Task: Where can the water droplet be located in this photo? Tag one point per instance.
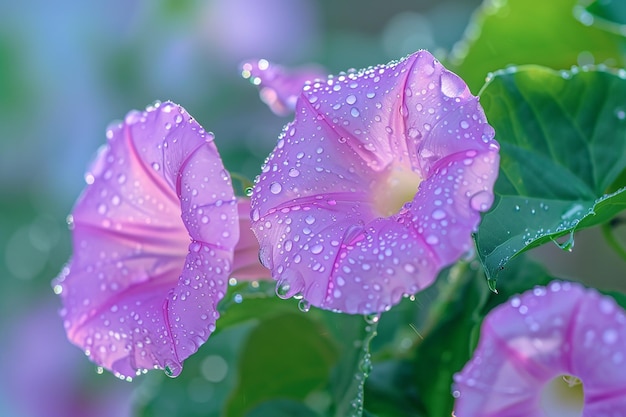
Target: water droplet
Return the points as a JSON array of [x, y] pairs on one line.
[[355, 112], [366, 365], [351, 99], [481, 201], [304, 305], [609, 336], [413, 133], [256, 215], [568, 244], [432, 240], [276, 188], [317, 249], [282, 289], [172, 369], [451, 85], [372, 318], [156, 166]]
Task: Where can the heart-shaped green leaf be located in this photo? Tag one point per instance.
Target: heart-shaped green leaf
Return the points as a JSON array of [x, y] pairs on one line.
[[519, 32], [563, 147]]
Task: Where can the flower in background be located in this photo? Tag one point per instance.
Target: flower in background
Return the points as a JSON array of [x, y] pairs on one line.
[[555, 351], [279, 88], [375, 186], [234, 30], [47, 378], [154, 234]]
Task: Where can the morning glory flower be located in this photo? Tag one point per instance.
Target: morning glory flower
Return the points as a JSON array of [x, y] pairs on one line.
[[555, 351], [279, 87], [375, 186], [154, 236]]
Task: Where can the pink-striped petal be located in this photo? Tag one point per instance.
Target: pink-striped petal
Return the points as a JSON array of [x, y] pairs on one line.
[[154, 234], [530, 343], [279, 88], [375, 186]]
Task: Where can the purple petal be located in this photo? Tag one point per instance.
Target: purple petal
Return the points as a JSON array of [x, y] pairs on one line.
[[539, 337], [375, 186], [153, 234], [246, 265], [279, 88]]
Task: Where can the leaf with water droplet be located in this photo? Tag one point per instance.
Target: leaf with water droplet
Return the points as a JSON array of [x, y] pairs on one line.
[[608, 15], [498, 35], [347, 383], [548, 188]]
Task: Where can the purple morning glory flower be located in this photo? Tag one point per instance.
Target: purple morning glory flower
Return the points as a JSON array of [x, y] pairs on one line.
[[375, 186], [279, 88], [555, 351], [154, 236]]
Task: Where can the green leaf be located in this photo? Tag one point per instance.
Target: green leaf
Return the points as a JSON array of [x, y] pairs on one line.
[[390, 392], [445, 346], [202, 388], [252, 301], [518, 32], [609, 15], [563, 145], [352, 370], [287, 356]]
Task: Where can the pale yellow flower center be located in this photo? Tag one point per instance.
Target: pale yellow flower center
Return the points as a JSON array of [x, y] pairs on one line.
[[396, 186], [563, 396]]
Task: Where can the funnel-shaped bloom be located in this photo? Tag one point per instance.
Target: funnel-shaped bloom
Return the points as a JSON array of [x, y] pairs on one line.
[[555, 351], [279, 88], [375, 186], [154, 235]]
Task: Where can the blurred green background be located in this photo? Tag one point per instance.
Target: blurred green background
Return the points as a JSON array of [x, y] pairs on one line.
[[69, 68]]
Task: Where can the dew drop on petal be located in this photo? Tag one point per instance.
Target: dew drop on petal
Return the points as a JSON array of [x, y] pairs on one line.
[[609, 336], [282, 289], [481, 201], [317, 249], [276, 188], [172, 370], [256, 215], [451, 85]]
